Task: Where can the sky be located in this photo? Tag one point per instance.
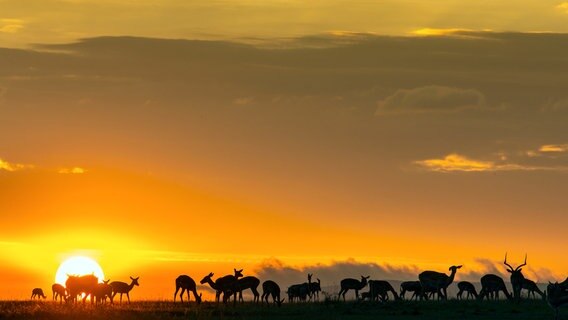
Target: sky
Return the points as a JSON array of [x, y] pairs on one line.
[[282, 137]]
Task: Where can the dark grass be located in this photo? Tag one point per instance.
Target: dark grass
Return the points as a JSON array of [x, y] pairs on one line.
[[532, 309]]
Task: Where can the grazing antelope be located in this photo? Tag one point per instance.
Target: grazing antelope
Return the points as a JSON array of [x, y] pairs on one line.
[[81, 285], [37, 293], [437, 282], [516, 277], [298, 291], [350, 283], [186, 283], [410, 286], [532, 288], [248, 282], [468, 287], [58, 291], [491, 284], [271, 288], [102, 291], [225, 285], [557, 295], [380, 289], [123, 288]]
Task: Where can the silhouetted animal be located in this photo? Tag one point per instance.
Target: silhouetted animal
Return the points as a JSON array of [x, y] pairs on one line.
[[352, 284], [298, 292], [271, 288], [186, 283], [58, 291], [465, 286], [410, 286], [516, 277], [491, 284], [532, 288], [437, 281], [37, 293], [557, 295], [78, 285], [251, 283], [102, 291], [123, 288], [225, 285], [380, 289], [315, 289]]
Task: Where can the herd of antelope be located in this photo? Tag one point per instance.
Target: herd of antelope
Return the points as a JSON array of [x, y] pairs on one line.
[[428, 285]]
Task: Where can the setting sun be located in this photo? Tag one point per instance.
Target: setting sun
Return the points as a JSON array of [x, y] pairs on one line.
[[78, 265]]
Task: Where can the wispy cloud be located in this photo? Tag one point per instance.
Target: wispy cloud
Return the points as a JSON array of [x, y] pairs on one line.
[[73, 170], [11, 167], [430, 99], [553, 148], [11, 25], [459, 163], [563, 7], [438, 31]]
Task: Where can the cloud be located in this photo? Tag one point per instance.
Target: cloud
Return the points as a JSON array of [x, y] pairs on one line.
[[563, 6], [11, 167], [430, 99], [553, 148], [11, 25], [457, 163], [74, 170], [438, 32]]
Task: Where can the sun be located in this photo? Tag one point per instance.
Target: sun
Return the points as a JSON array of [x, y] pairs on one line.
[[78, 265]]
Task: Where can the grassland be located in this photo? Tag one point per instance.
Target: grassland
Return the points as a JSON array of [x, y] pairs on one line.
[[533, 309]]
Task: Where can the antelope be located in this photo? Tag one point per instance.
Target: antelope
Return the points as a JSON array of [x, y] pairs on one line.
[[350, 283], [186, 283], [248, 282], [225, 285], [437, 282], [411, 286], [491, 284], [102, 291], [531, 287], [516, 277], [468, 287], [314, 289], [78, 285], [298, 291], [381, 288], [58, 291], [123, 288], [37, 293], [271, 288], [557, 295]]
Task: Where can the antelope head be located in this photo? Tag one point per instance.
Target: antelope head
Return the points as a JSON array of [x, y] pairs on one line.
[[198, 298], [364, 279], [206, 278], [238, 273], [516, 273], [135, 281], [106, 282], [454, 268], [310, 277]]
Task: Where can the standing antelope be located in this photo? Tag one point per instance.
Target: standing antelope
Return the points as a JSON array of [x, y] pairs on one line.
[[248, 282], [381, 288], [186, 283], [58, 291], [411, 286], [468, 287], [516, 277], [531, 287], [123, 288], [102, 291], [491, 284], [225, 285], [437, 282], [271, 288], [350, 283], [37, 293]]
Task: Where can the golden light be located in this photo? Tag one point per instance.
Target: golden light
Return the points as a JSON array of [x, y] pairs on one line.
[[78, 266]]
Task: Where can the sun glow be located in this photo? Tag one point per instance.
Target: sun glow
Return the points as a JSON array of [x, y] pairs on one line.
[[78, 266]]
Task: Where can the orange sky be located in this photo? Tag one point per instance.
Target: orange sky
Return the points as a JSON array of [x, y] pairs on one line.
[[350, 147]]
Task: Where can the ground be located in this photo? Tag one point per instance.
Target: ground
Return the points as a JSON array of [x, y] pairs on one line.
[[534, 309]]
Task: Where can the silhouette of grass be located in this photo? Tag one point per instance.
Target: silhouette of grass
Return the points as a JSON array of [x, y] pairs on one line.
[[534, 309]]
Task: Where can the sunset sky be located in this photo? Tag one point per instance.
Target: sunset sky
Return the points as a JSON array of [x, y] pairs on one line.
[[343, 137]]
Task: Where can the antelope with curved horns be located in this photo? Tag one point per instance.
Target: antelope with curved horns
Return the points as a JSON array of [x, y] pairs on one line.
[[517, 277]]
